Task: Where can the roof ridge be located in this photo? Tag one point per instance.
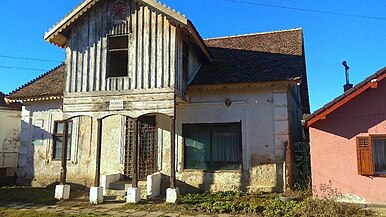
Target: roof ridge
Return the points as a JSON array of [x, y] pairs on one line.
[[35, 79], [251, 34]]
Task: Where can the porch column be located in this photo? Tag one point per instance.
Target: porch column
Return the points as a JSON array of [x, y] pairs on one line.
[[172, 193], [63, 171], [134, 193], [172, 153], [62, 191], [96, 192]]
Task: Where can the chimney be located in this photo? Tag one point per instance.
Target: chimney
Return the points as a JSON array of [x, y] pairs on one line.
[[347, 86]]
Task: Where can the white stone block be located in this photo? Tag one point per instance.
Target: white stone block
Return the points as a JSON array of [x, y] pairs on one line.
[[133, 195], [96, 195], [153, 185], [107, 179], [62, 192], [172, 195]]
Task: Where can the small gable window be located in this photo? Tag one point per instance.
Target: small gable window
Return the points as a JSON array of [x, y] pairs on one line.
[[371, 155], [118, 56]]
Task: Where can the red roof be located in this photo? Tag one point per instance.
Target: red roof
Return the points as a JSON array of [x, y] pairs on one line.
[[369, 82]]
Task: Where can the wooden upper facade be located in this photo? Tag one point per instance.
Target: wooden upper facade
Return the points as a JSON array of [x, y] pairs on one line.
[[137, 51]]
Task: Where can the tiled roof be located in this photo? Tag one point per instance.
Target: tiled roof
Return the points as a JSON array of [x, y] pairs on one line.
[[8, 106], [270, 56], [50, 85], [346, 96]]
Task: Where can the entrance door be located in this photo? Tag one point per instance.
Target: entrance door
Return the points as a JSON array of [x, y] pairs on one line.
[[147, 150]]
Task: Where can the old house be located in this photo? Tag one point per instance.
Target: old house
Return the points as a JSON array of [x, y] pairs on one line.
[[348, 143], [9, 140], [144, 97]]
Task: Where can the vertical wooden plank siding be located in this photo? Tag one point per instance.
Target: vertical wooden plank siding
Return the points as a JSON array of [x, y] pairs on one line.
[[85, 48], [153, 46], [159, 53], [139, 48], [91, 44], [68, 69], [132, 50], [154, 58], [146, 47], [104, 46], [172, 54], [98, 45], [166, 36]]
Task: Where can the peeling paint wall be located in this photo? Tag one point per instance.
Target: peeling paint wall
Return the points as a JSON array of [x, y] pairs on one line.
[[9, 141], [263, 113], [36, 165]]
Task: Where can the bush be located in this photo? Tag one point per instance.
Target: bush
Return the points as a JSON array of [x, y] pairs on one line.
[[327, 207]]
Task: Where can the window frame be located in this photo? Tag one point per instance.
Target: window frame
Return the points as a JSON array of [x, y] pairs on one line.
[[109, 51], [240, 163], [55, 135], [370, 138]]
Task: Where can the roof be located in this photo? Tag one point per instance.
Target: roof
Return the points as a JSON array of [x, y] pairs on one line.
[[55, 34], [269, 56], [369, 82], [8, 106], [48, 86]]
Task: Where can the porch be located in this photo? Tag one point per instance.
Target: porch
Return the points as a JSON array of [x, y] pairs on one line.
[[128, 155]]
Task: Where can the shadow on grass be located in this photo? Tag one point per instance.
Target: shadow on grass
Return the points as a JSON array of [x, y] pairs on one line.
[[27, 195]]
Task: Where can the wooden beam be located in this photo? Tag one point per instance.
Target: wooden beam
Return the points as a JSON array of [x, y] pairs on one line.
[[172, 153], [98, 153], [63, 172], [135, 155]]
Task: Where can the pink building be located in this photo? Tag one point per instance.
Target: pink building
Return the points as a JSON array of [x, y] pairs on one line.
[[348, 143]]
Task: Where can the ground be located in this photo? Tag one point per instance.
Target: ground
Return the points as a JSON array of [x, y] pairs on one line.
[[31, 202]]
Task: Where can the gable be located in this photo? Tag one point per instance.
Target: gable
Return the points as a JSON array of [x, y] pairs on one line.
[[59, 32]]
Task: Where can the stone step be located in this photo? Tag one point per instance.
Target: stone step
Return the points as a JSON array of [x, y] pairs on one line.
[[120, 185], [113, 192]]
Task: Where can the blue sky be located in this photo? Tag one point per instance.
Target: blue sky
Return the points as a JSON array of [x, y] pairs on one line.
[[329, 39]]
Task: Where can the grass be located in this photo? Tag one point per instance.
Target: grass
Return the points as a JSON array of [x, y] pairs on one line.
[[258, 204], [27, 195]]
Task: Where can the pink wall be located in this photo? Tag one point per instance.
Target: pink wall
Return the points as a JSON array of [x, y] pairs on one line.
[[333, 145]]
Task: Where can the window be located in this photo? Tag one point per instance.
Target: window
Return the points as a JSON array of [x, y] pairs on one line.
[[371, 154], [58, 139], [212, 146], [118, 56]]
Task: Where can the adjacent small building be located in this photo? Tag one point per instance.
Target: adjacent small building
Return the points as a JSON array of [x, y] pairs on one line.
[[348, 143], [9, 140]]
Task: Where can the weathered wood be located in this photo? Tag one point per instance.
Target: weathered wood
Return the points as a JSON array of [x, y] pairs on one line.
[[159, 57], [135, 156], [146, 47], [154, 59], [67, 83], [98, 153], [172, 152], [92, 53], [153, 47], [132, 50], [63, 172], [172, 54], [166, 61], [103, 85], [140, 49]]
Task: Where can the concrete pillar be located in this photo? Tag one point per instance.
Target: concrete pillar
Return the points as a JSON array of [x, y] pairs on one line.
[[96, 195], [133, 195], [172, 195], [62, 192]]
